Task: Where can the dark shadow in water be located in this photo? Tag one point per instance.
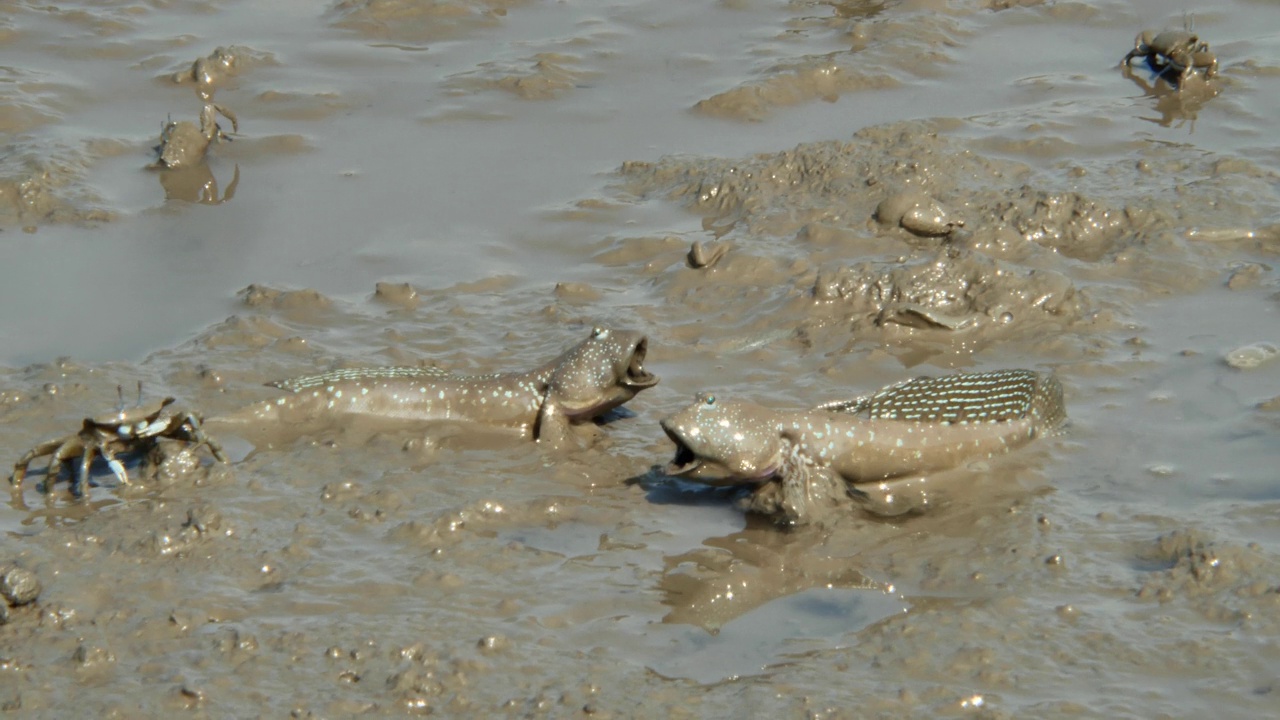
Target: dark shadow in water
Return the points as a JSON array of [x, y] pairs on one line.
[[619, 413], [663, 489]]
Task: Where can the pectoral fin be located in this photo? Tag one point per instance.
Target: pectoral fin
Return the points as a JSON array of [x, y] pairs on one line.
[[554, 429], [804, 495]]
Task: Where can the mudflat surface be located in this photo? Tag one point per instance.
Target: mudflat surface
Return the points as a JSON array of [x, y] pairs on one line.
[[474, 185]]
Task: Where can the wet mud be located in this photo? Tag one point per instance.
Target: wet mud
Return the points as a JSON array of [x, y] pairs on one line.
[[798, 204]]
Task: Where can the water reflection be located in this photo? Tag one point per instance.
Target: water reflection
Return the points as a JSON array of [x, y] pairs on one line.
[[59, 509], [733, 575], [1176, 102], [196, 183]]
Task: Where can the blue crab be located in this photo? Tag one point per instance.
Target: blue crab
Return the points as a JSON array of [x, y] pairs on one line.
[[1181, 51], [133, 430]]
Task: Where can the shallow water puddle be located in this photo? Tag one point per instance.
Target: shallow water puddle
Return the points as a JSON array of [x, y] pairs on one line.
[[778, 632]]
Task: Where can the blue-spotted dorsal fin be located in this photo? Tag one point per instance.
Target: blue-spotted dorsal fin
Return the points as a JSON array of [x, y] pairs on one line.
[[997, 396], [363, 373], [860, 403], [851, 407]]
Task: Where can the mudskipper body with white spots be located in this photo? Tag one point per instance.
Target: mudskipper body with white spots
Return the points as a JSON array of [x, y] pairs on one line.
[[883, 445], [593, 377]]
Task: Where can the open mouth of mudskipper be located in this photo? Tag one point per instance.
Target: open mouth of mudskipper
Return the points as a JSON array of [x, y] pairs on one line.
[[685, 461], [636, 376], [707, 467]]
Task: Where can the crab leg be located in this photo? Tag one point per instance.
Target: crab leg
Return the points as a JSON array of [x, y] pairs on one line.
[[116, 466], [81, 480], [198, 435], [1207, 60], [65, 451], [21, 467]]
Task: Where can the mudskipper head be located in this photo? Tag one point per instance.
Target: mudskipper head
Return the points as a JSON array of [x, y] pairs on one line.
[[724, 442], [600, 373]]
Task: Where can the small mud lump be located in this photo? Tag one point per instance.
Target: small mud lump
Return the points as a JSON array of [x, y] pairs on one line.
[[19, 586]]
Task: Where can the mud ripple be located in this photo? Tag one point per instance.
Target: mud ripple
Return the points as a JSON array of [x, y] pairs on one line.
[[42, 182], [870, 50], [544, 76], [411, 21]]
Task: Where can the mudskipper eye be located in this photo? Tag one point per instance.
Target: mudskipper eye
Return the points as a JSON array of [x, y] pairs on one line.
[[711, 399], [599, 333]]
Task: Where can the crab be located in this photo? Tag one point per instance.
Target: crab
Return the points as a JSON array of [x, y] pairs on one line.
[[1179, 50], [209, 71], [135, 430], [183, 144]]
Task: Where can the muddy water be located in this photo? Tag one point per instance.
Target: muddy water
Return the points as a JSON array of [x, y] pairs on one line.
[[533, 169]]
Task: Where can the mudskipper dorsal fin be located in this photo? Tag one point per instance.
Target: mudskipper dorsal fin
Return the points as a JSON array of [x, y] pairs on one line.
[[365, 373], [996, 396]]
